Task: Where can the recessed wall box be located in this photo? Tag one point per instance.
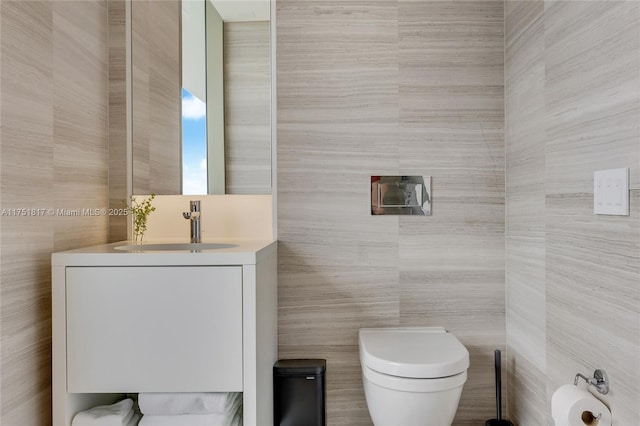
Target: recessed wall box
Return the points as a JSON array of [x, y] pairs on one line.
[[401, 195]]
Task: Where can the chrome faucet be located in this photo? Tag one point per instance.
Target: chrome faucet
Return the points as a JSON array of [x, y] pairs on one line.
[[194, 216]]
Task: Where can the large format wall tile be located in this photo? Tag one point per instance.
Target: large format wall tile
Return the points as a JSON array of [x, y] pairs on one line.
[[337, 124], [593, 296], [525, 207], [338, 60], [451, 61], [118, 157], [592, 101], [156, 108], [591, 92], [53, 155], [451, 114], [351, 83], [80, 117], [527, 390], [247, 99], [573, 103]]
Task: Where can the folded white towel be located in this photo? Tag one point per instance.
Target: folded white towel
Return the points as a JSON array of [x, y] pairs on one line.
[[236, 419], [234, 409], [135, 418], [185, 420], [234, 403], [183, 403], [118, 414]]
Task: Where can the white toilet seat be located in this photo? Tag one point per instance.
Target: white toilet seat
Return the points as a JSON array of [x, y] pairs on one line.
[[407, 384], [416, 352], [412, 375]]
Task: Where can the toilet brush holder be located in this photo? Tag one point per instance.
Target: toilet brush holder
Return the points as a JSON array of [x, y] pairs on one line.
[[498, 421]]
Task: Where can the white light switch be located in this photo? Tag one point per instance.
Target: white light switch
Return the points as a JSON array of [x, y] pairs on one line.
[[611, 192]]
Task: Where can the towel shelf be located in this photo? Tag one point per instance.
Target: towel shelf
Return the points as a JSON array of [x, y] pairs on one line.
[[126, 322]]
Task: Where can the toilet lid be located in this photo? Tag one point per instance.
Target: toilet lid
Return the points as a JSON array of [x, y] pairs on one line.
[[424, 352]]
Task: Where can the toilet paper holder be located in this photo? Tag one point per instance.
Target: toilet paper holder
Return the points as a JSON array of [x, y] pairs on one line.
[[600, 381]]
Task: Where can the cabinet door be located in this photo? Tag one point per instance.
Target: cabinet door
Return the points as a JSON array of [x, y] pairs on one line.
[[154, 329]]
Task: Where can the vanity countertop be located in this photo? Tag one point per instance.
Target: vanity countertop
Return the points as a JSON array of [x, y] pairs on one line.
[[241, 252]]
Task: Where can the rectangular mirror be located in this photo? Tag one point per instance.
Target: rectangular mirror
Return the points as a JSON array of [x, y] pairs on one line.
[[201, 97]]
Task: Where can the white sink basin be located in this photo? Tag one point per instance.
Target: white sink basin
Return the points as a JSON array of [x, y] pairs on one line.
[[174, 247]]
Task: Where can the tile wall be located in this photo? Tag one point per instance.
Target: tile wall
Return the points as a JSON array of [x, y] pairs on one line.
[[573, 300], [156, 105], [247, 104], [369, 88], [118, 156], [54, 155], [390, 87]]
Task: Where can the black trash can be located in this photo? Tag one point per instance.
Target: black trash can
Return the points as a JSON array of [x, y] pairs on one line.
[[299, 392]]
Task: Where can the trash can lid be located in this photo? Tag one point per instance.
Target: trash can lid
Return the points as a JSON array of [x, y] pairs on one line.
[[300, 366]]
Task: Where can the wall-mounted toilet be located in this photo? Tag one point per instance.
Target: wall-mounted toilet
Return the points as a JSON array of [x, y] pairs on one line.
[[412, 376]]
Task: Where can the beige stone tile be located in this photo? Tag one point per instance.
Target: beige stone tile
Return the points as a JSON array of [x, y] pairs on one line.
[[592, 92], [354, 107], [525, 300], [527, 405], [156, 106], [26, 182], [451, 61], [54, 154], [525, 202], [592, 296], [247, 113], [350, 73], [118, 169], [80, 113], [472, 293], [472, 152], [328, 305], [428, 249]]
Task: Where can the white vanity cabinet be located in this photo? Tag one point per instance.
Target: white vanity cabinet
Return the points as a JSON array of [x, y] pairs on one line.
[[130, 322], [154, 329]]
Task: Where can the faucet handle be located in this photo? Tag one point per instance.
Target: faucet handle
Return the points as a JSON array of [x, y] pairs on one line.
[[194, 215], [194, 210]]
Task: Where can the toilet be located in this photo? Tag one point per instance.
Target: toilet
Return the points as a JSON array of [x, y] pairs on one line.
[[412, 376]]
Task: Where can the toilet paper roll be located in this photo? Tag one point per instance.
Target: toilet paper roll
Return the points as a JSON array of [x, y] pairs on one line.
[[572, 406]]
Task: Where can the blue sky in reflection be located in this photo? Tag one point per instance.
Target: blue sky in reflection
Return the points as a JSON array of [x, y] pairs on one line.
[[194, 145]]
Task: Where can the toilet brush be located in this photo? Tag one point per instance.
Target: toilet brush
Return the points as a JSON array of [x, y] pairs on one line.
[[498, 421]]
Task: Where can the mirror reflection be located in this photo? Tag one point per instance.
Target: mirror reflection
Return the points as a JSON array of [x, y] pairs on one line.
[[201, 97]]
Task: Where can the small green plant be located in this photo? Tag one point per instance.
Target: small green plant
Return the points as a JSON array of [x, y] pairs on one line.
[[140, 211]]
